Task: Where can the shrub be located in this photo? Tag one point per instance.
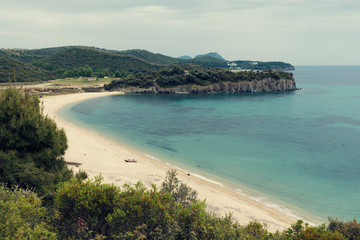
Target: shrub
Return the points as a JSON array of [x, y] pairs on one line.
[[351, 229], [22, 216]]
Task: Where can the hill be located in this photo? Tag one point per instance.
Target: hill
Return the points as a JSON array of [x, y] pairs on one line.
[[150, 57], [185, 57], [208, 61], [98, 60], [24, 72], [31, 55], [211, 54]]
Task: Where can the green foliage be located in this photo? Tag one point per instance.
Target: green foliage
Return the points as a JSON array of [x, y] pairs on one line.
[[190, 74], [91, 209], [31, 145], [85, 71], [256, 65], [144, 212], [27, 132], [180, 192], [351, 229], [21, 71], [82, 207], [150, 57], [299, 231], [81, 175], [98, 60], [207, 61], [22, 216]]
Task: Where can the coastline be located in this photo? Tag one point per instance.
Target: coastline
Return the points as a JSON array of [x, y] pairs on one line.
[[98, 154]]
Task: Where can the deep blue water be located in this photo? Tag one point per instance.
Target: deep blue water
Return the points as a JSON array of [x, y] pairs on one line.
[[299, 148]]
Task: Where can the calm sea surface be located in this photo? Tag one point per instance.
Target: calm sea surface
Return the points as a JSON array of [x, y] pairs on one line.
[[298, 149]]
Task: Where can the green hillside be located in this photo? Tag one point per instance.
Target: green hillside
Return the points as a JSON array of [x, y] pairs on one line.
[[211, 54], [24, 72], [98, 60], [151, 57], [31, 55], [208, 61]]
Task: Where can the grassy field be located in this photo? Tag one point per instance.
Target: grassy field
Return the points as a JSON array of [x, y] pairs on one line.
[[79, 81]]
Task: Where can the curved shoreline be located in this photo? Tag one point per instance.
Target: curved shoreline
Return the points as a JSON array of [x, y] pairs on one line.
[[97, 154]]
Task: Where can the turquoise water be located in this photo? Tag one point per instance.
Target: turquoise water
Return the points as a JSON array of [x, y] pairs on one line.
[[300, 148]]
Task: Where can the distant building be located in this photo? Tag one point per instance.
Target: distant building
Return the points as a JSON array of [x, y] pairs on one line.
[[186, 72], [92, 78]]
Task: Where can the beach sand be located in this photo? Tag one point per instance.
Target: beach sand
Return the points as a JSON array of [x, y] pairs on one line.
[[98, 155]]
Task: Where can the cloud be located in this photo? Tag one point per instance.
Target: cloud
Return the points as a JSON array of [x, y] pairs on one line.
[[286, 30]]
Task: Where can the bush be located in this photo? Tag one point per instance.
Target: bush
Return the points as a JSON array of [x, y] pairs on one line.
[[351, 229], [82, 207], [22, 216], [300, 231]]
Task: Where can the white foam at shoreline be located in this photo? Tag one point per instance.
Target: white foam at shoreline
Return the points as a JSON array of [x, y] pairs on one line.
[[271, 204], [185, 170], [259, 199]]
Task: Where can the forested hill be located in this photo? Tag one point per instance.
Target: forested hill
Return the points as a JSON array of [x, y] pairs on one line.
[[74, 61], [98, 61], [21, 71]]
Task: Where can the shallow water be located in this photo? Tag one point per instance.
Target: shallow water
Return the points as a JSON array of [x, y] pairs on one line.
[[300, 148]]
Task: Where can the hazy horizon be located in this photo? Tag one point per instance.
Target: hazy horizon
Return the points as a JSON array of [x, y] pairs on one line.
[[301, 32]]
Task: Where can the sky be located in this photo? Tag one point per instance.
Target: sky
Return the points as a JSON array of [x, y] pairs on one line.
[[301, 32]]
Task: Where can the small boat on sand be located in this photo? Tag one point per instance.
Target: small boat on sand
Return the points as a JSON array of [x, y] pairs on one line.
[[131, 160]]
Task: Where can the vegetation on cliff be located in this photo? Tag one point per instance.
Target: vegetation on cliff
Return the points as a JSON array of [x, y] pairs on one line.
[[257, 65], [192, 74]]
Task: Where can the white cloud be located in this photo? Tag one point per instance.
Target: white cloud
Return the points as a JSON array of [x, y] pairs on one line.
[[298, 31]]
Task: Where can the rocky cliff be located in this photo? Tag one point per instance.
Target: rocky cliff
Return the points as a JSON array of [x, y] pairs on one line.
[[255, 86]]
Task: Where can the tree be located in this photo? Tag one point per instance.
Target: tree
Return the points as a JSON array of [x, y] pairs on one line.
[[31, 145], [181, 193]]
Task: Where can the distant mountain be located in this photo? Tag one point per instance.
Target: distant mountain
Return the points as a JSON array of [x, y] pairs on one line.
[[23, 72], [211, 54], [185, 57], [208, 61]]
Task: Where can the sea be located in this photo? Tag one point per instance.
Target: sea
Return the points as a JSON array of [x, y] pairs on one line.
[[296, 151]]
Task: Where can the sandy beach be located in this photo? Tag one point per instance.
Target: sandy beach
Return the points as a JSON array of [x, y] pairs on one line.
[[98, 155]]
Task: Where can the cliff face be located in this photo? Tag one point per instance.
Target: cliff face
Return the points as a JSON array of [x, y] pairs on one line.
[[255, 86]]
